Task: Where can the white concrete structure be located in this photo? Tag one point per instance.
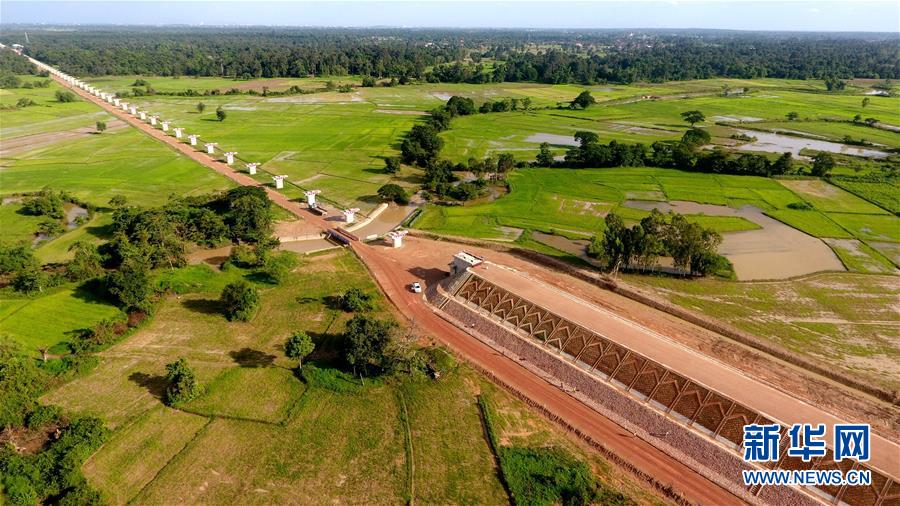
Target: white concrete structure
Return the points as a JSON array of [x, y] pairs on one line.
[[350, 214], [396, 237], [311, 197], [210, 147], [124, 106], [110, 98], [193, 139], [279, 181], [153, 119], [229, 157], [143, 116], [116, 102], [165, 126], [134, 110], [251, 168], [462, 261], [178, 132]]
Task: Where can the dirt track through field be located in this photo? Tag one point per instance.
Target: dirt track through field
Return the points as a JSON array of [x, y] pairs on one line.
[[393, 275]]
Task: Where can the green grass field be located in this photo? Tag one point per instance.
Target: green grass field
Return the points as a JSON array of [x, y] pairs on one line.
[[578, 200], [47, 115], [259, 435], [47, 319]]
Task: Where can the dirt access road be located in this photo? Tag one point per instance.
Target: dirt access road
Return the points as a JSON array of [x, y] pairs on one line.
[[394, 279]]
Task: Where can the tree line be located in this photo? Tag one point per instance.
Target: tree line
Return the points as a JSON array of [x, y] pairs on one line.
[[472, 56]]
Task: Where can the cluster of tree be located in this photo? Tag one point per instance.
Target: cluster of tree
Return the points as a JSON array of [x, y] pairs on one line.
[[53, 474], [585, 56], [14, 64], [691, 246], [684, 155]]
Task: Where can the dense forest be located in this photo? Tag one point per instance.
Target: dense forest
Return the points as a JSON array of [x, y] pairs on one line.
[[462, 55]]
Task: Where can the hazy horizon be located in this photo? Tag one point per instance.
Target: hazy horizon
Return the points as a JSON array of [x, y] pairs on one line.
[[797, 16]]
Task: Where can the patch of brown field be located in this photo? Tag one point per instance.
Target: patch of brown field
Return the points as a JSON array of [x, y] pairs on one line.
[[812, 187], [291, 230], [272, 84], [402, 112], [213, 257], [27, 441], [26, 143]]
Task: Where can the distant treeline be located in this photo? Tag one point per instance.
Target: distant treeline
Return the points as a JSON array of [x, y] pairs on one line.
[[474, 56]]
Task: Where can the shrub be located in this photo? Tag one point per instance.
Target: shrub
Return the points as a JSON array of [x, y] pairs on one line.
[[547, 476], [182, 381], [43, 415], [356, 301], [45, 203], [393, 193], [65, 96], [800, 206], [240, 301]]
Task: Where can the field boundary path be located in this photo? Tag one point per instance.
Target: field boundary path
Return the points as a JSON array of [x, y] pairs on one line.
[[664, 470]]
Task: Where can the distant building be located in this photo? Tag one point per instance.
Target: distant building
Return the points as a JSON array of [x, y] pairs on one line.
[[18, 48]]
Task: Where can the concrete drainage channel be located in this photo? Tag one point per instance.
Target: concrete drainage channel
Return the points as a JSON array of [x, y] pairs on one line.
[[684, 437]]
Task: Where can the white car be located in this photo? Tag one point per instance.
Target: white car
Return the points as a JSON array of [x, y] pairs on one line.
[[416, 287]]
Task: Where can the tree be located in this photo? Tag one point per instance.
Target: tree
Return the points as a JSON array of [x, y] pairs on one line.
[[367, 344], [221, 114], [101, 127], [505, 163], [823, 163], [201, 107], [356, 300], [182, 383], [693, 117], [298, 347], [250, 213], [393, 193], [240, 301], [130, 285], [30, 280], [368, 82], [392, 165], [865, 102], [784, 164], [791, 116], [695, 137], [24, 102], [585, 137], [544, 156], [86, 263], [857, 118], [584, 100]]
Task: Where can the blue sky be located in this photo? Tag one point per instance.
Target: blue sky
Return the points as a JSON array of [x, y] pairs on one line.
[[848, 15]]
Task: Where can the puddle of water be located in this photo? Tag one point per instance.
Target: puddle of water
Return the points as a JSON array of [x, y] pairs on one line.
[[72, 214], [737, 119], [776, 143], [561, 140]]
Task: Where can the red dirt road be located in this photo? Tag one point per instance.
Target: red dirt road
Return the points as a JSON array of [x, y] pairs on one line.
[[394, 279]]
